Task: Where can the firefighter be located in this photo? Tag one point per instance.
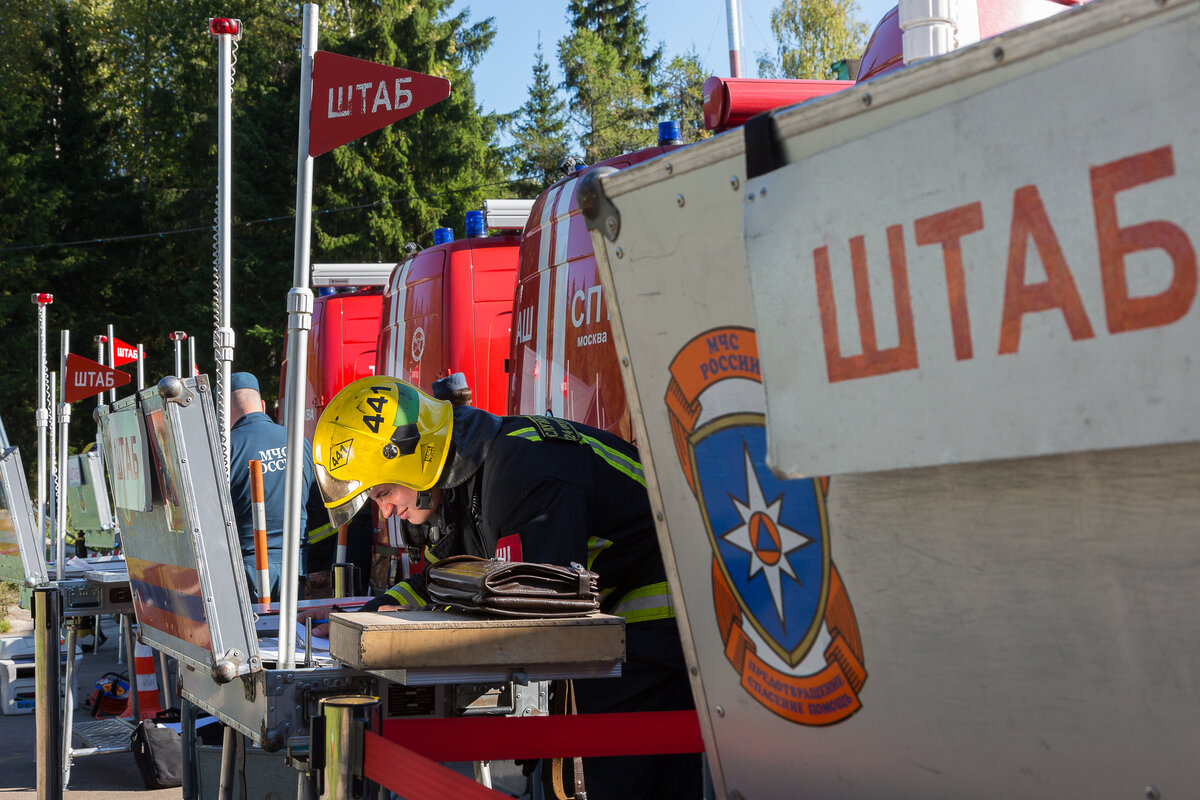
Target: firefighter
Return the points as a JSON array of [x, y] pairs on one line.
[[533, 489], [254, 436]]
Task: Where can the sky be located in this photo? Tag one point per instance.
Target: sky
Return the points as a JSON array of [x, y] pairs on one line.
[[502, 79]]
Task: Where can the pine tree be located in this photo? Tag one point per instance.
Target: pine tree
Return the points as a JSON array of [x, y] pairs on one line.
[[108, 136], [609, 76], [609, 109], [539, 131], [622, 24], [54, 158], [427, 170]]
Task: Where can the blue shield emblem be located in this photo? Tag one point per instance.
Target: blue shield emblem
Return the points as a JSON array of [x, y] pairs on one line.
[[770, 537]]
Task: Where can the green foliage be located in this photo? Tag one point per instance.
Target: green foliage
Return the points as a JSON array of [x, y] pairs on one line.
[[622, 24], [682, 90], [617, 90], [609, 107], [10, 596], [431, 168], [811, 35], [109, 133], [610, 77], [539, 131]]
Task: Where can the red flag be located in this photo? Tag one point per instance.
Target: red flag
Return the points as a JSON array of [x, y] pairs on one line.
[[352, 97], [125, 353], [86, 378]]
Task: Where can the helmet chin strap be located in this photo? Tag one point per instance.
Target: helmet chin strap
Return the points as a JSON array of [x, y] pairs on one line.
[[424, 500]]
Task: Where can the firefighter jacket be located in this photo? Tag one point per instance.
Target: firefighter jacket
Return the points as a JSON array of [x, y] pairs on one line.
[[544, 490]]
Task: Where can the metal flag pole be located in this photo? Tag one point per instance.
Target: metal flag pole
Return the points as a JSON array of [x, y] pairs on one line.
[[100, 341], [112, 362], [52, 471], [177, 337], [64, 421], [228, 32], [300, 306], [42, 415], [733, 16]]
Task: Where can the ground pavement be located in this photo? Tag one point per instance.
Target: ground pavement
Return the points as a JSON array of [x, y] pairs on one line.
[[114, 775]]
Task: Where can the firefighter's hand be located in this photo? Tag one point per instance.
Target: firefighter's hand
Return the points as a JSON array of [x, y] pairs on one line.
[[383, 602], [319, 629]]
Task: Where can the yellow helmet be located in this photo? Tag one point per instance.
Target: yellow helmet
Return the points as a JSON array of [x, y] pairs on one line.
[[378, 430]]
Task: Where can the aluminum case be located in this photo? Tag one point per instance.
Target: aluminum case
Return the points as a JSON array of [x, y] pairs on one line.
[[22, 557], [1004, 627], [184, 559]]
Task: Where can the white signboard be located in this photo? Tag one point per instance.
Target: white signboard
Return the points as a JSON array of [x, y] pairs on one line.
[[74, 472], [1011, 273], [128, 467]]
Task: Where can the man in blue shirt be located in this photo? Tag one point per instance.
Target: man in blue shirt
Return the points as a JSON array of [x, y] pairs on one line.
[[254, 436]]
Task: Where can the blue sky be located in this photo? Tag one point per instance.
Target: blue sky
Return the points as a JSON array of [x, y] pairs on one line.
[[503, 78]]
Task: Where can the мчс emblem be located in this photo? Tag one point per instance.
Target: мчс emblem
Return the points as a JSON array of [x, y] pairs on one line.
[[785, 618]]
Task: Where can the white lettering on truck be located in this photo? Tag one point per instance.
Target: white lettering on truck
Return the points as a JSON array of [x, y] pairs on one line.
[[590, 300]]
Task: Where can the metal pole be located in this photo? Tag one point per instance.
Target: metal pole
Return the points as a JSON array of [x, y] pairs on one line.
[[304, 787], [42, 415], [228, 756], [177, 337], [733, 15], [300, 305], [64, 422], [340, 761], [141, 367], [47, 611], [483, 773], [100, 340], [223, 338], [133, 693], [68, 709], [187, 733], [164, 687], [112, 362], [191, 365], [52, 461], [112, 398], [121, 638]]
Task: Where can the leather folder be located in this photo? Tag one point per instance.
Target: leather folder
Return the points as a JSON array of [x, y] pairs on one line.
[[512, 588]]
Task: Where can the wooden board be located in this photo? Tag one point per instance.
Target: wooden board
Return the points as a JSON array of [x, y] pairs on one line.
[[446, 639]]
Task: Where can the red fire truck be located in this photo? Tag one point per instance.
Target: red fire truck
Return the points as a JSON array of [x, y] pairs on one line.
[[447, 308], [342, 340], [521, 312]]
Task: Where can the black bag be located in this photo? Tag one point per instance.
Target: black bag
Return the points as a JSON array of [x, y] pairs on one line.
[[159, 755], [512, 589]]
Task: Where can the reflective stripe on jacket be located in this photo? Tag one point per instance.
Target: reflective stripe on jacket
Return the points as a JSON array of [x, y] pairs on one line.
[[644, 604], [405, 595]]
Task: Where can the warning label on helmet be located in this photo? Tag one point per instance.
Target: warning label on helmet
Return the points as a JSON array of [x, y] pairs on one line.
[[340, 454]]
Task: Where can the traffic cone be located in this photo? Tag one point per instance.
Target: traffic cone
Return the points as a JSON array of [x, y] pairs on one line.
[[145, 681]]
